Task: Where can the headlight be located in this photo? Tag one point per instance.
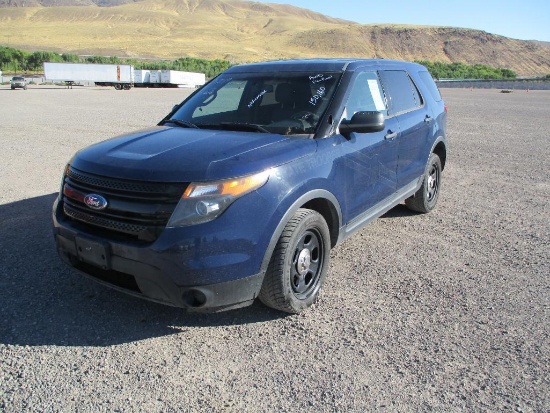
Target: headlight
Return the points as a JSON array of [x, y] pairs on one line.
[[205, 201]]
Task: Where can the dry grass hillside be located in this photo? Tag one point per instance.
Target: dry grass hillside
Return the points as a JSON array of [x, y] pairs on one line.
[[246, 31]]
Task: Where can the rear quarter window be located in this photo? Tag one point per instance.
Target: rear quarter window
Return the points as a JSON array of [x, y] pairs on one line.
[[428, 81]]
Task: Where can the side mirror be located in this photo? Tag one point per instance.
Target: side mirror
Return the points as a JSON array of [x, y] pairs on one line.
[[363, 122]]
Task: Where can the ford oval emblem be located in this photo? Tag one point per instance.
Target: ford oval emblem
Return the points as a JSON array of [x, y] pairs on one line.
[[95, 201]]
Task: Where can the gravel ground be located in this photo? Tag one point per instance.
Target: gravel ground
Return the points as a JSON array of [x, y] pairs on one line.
[[441, 312]]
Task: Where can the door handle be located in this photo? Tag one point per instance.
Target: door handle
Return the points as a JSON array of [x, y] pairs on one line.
[[390, 135]]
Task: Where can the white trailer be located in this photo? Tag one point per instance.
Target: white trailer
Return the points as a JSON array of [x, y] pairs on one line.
[[119, 76], [154, 77], [142, 76], [182, 79]]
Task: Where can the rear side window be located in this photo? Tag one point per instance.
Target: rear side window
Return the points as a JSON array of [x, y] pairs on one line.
[[426, 78], [400, 90]]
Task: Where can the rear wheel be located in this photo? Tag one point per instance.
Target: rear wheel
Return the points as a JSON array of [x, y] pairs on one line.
[[299, 263], [425, 198]]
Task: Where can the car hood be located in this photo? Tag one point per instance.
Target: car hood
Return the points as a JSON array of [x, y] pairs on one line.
[[174, 154]]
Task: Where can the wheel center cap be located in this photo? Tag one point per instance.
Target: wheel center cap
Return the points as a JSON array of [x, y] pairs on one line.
[[304, 262], [431, 182]]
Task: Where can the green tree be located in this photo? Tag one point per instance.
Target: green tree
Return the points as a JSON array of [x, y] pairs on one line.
[[458, 70]]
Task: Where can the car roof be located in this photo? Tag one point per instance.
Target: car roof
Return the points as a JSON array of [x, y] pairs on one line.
[[325, 65]]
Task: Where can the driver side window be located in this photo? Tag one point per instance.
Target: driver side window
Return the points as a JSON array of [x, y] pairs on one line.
[[226, 99], [366, 95]]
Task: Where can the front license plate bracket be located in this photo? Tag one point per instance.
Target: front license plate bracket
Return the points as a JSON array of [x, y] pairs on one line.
[[93, 252]]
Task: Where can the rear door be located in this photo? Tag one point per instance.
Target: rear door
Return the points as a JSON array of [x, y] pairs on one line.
[[406, 104]]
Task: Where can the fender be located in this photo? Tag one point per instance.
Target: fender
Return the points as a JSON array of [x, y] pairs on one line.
[[297, 204], [439, 140]]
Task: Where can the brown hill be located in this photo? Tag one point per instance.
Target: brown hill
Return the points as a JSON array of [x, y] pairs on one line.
[[247, 31]]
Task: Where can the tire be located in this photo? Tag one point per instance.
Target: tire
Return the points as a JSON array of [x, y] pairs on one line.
[[299, 264], [425, 199]]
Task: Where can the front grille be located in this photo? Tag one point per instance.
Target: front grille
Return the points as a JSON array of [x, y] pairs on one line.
[[135, 210], [102, 222], [122, 185]]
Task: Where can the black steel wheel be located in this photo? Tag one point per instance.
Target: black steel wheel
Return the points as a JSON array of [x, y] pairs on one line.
[[425, 199], [298, 264]]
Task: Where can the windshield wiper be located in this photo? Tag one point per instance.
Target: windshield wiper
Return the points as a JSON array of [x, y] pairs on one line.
[[243, 127], [183, 123]]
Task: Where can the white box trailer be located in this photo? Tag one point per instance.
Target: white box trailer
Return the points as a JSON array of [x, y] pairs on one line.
[[182, 79], [119, 76], [154, 77], [142, 76]]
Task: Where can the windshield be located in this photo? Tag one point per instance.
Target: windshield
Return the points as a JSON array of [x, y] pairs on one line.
[[18, 78], [283, 103]]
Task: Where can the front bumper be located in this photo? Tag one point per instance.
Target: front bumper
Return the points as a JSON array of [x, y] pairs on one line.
[[159, 272]]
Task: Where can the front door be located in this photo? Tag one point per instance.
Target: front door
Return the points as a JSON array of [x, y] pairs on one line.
[[369, 161]]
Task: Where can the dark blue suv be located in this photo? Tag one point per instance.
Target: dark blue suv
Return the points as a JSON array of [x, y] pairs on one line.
[[243, 189]]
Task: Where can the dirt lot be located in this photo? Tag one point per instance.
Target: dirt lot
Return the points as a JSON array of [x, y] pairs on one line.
[[441, 312]]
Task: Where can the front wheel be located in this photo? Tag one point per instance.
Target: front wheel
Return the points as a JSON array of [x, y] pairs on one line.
[[299, 263], [425, 198]]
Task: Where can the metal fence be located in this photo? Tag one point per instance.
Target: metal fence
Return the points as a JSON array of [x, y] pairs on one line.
[[517, 84]]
